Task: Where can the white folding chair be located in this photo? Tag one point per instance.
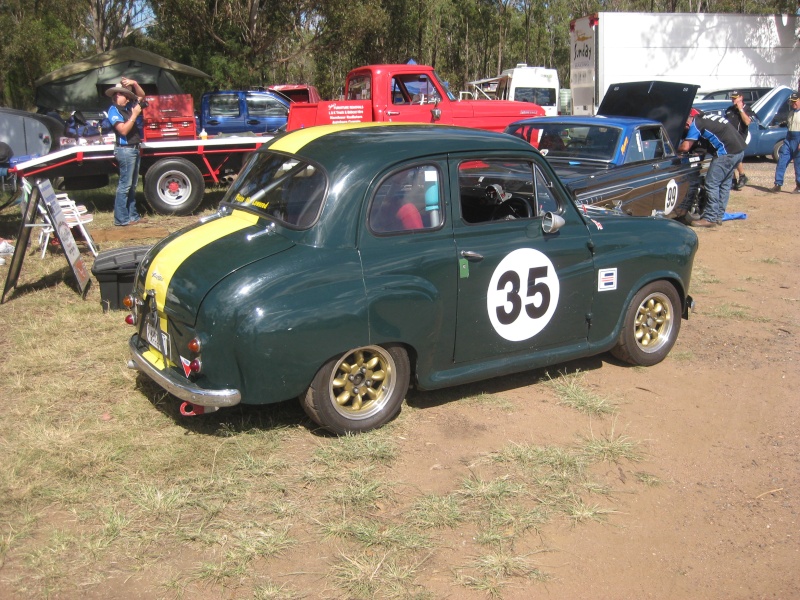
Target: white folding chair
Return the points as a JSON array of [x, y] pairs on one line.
[[75, 215]]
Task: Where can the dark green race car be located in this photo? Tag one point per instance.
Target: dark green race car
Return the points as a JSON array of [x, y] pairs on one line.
[[350, 261]]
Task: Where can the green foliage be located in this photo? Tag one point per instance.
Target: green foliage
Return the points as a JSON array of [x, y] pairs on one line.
[[246, 43]]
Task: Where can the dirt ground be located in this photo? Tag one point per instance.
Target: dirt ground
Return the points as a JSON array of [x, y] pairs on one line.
[[721, 424], [718, 422]]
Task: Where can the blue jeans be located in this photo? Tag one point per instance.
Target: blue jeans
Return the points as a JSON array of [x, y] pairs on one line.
[[718, 185], [125, 201], [787, 154]]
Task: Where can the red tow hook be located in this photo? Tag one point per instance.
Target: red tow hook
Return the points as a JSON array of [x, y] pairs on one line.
[[192, 410]]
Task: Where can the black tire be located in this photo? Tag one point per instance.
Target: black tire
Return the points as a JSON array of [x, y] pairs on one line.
[[775, 150], [651, 325], [370, 384], [174, 186]]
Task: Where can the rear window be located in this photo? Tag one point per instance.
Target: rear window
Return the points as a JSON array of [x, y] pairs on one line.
[[280, 187]]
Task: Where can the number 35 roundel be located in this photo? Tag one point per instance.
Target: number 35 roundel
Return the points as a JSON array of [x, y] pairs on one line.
[[522, 294]]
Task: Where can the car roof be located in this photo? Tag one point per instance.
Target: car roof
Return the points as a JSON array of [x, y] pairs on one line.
[[360, 143]]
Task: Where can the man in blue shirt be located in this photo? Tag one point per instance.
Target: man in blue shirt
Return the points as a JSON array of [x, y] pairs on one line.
[[727, 146], [123, 115], [790, 149]]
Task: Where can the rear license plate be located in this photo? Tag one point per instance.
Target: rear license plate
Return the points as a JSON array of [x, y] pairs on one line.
[[158, 339]]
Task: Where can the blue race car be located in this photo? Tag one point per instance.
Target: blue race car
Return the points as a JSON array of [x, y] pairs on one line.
[[627, 161]]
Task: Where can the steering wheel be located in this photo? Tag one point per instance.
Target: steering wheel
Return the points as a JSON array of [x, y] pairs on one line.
[[494, 193], [513, 208]]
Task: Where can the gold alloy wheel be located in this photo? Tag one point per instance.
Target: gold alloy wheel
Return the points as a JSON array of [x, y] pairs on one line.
[[654, 322], [362, 382]]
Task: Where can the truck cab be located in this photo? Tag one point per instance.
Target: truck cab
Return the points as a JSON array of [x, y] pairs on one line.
[[236, 112], [407, 93]]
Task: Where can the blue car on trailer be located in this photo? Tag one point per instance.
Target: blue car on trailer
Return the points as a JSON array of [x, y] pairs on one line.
[[768, 130]]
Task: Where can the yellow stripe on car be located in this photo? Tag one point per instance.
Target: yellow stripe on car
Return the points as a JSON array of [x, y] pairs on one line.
[[182, 247], [294, 141]]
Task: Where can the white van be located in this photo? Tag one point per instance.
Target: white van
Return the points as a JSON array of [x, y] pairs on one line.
[[530, 84]]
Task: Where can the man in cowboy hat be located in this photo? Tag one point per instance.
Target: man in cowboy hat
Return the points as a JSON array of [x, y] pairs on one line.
[[122, 115]]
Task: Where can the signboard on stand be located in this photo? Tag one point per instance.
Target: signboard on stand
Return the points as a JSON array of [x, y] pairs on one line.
[[43, 194]]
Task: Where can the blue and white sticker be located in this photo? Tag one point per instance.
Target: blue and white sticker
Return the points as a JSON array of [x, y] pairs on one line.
[[607, 279], [522, 295], [671, 198]]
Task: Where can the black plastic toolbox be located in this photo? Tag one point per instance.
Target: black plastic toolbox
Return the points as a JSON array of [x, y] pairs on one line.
[[115, 270]]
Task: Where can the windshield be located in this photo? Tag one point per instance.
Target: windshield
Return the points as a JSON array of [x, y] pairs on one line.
[[280, 187], [598, 142]]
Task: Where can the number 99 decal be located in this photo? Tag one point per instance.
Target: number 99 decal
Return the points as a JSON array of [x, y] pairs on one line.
[[522, 294], [671, 198]]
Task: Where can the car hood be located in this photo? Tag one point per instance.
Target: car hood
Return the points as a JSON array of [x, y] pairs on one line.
[[185, 266], [574, 173], [663, 101], [770, 103]]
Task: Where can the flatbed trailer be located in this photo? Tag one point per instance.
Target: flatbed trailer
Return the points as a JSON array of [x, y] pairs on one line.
[[175, 172]]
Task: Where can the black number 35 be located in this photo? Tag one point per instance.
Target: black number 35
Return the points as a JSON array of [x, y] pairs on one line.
[[513, 297]]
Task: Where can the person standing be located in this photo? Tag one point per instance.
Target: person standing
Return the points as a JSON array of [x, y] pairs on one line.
[[741, 116], [123, 114], [727, 146], [790, 150]]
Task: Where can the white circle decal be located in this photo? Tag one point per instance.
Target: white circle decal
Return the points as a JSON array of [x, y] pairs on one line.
[[672, 197], [522, 294]]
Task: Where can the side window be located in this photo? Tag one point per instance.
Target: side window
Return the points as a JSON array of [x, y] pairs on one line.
[[223, 105], [264, 106], [635, 152], [652, 145], [409, 200], [545, 201], [501, 190]]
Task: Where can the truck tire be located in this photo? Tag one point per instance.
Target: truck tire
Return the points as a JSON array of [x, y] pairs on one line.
[[776, 150], [174, 186]]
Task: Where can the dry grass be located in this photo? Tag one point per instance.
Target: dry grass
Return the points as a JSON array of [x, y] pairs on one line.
[[103, 487]]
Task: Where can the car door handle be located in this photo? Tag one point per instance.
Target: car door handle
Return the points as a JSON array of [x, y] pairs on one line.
[[470, 255], [253, 121], [212, 122], [392, 113]]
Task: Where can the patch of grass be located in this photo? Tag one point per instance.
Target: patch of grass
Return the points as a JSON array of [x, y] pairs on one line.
[[682, 355], [572, 392], [372, 575], [769, 260], [611, 448], [489, 401], [487, 491], [435, 511], [580, 512], [647, 479], [491, 573], [374, 447], [359, 489], [273, 591], [735, 312]]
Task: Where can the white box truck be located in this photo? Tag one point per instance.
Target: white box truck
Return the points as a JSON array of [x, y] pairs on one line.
[[712, 50], [530, 84]]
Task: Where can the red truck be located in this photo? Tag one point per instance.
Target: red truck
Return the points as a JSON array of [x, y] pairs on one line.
[[411, 94]]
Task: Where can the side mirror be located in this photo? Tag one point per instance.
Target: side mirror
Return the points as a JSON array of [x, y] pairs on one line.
[[552, 222], [436, 113]]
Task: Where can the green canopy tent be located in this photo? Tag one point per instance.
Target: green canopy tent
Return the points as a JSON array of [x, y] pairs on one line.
[[82, 85]]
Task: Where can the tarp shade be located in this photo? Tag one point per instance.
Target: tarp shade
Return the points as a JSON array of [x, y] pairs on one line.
[[82, 85]]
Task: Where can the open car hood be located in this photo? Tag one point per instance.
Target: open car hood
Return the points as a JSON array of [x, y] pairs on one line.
[[662, 101]]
